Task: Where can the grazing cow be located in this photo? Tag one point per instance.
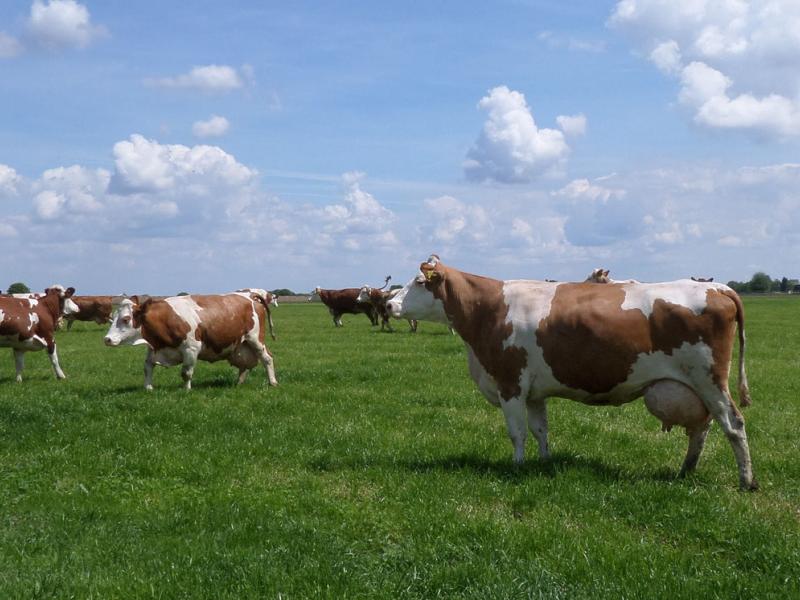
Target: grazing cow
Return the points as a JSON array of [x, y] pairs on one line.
[[601, 276], [703, 279], [183, 329], [91, 308], [598, 344], [344, 301], [29, 324]]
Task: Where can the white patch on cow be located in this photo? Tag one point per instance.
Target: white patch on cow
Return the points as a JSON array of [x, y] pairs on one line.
[[121, 330], [188, 310], [2, 315], [684, 292], [70, 308], [528, 303]]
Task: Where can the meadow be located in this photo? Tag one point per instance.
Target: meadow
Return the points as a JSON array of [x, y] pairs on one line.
[[377, 470]]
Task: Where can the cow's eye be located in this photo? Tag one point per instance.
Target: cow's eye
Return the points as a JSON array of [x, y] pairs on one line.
[[126, 319]]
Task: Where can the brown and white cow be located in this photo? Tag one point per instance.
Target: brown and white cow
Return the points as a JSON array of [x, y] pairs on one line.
[[29, 324], [91, 308], [179, 330], [340, 302], [268, 299], [598, 344], [601, 275]]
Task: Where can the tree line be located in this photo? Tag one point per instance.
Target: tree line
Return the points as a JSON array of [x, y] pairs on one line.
[[761, 283]]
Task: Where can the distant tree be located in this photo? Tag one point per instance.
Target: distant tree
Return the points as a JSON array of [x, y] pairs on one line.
[[283, 292], [395, 287], [18, 288], [183, 293], [738, 286], [760, 282], [784, 284]]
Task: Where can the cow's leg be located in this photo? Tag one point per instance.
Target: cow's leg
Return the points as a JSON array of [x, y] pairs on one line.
[[720, 405], [537, 423], [51, 351], [697, 439], [149, 364], [187, 370], [242, 375], [412, 323], [69, 324], [269, 364], [19, 363], [514, 412]]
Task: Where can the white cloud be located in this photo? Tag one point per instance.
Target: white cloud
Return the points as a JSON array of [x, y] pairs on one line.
[[216, 126], [448, 220], [360, 215], [146, 165], [77, 188], [558, 41], [62, 24], [738, 63], [511, 148], [572, 125], [8, 180], [208, 78], [49, 204], [7, 231], [9, 46]]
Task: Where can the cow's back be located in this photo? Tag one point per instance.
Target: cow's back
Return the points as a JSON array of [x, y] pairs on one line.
[[222, 320]]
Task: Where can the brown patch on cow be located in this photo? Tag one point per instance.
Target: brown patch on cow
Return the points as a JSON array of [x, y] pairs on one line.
[[591, 343], [161, 325], [223, 320], [93, 308], [477, 309]]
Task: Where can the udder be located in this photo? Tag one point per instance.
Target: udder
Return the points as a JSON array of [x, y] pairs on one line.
[[243, 357], [673, 403]]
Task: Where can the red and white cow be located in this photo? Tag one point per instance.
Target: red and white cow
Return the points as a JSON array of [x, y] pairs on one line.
[[345, 301], [597, 344], [91, 308], [29, 324], [179, 330]]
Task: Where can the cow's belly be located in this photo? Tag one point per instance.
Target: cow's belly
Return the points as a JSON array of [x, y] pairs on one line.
[[29, 344], [168, 357], [210, 355]]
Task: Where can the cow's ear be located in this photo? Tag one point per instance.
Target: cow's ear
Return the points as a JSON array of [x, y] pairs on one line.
[[430, 273], [606, 272], [70, 291]]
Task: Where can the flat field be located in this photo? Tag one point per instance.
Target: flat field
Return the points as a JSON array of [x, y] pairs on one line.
[[376, 469]]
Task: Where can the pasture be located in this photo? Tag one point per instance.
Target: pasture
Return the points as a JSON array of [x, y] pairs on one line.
[[376, 469]]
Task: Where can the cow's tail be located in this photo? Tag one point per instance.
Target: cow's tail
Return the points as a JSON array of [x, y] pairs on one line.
[[744, 390], [263, 300]]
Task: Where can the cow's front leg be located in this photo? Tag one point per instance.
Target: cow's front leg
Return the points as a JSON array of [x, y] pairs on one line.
[[537, 423], [19, 363], [514, 412], [242, 376], [697, 439], [51, 351], [269, 364], [149, 364], [187, 370]]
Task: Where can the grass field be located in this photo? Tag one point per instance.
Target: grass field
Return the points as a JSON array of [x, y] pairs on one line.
[[376, 469]]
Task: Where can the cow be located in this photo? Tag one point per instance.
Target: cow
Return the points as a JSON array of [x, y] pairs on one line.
[[703, 279], [344, 301], [601, 275], [183, 329], [598, 344], [29, 324], [91, 308]]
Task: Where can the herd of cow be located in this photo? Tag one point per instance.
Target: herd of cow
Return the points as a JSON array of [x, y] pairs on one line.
[[600, 341]]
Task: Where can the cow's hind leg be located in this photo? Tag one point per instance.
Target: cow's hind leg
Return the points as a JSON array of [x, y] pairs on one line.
[[720, 405], [51, 351], [697, 439], [268, 362], [19, 363], [537, 423], [187, 369]]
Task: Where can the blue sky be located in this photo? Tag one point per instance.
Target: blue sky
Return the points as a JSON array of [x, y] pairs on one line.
[[160, 147]]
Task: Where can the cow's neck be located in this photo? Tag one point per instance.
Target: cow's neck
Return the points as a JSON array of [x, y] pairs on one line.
[[53, 305], [477, 310]]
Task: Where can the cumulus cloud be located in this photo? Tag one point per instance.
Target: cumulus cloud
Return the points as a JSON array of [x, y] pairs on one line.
[[9, 46], [8, 180], [146, 165], [451, 220], [76, 188], [511, 148], [737, 63], [568, 42], [216, 126], [572, 125], [62, 24], [208, 78]]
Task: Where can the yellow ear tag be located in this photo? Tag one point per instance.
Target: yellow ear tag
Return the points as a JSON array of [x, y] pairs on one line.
[[429, 274]]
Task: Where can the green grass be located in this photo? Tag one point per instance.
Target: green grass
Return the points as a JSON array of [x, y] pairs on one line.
[[376, 469]]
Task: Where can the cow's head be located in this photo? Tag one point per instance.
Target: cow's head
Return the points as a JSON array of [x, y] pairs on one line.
[[599, 275], [65, 303], [419, 299], [315, 294], [126, 323]]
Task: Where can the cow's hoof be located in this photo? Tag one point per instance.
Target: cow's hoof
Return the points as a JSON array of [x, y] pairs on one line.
[[749, 487], [19, 379], [148, 388]]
